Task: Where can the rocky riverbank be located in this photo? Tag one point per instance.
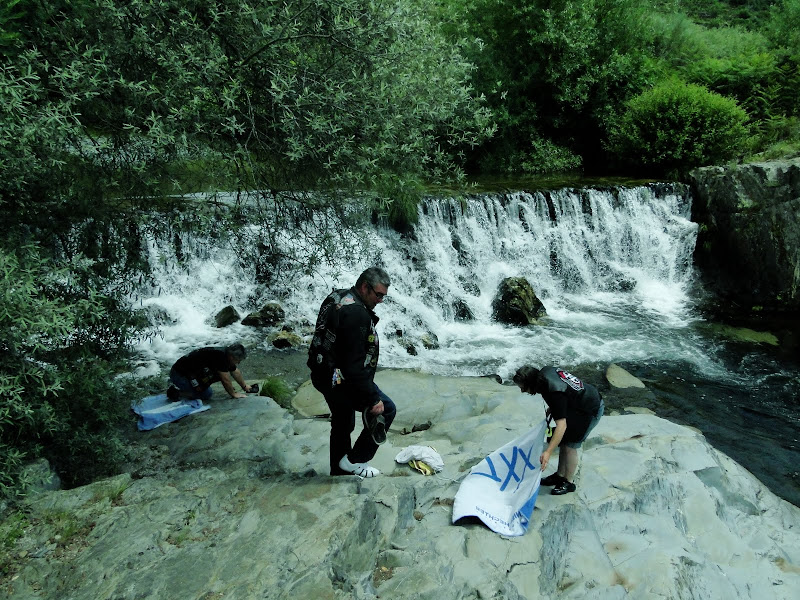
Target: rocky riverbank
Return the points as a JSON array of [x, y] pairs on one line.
[[235, 502], [748, 248], [762, 437]]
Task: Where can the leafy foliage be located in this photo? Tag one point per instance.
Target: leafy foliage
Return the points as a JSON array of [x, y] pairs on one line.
[[752, 66], [60, 341], [307, 94], [558, 73], [731, 61], [555, 71], [783, 26], [676, 125], [720, 13]]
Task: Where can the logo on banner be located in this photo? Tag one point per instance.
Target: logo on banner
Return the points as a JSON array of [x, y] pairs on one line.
[[518, 460], [501, 489]]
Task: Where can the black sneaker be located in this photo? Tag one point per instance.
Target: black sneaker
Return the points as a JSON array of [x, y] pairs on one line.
[[553, 479], [565, 487], [376, 425], [173, 393]]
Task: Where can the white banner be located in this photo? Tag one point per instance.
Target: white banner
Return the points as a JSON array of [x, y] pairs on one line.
[[501, 490]]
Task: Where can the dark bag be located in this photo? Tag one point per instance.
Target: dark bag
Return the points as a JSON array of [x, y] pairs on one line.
[[321, 359]]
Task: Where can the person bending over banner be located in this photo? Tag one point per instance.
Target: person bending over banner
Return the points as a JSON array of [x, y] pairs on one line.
[[575, 406]]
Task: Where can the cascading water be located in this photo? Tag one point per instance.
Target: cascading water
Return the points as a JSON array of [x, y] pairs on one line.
[[613, 268]]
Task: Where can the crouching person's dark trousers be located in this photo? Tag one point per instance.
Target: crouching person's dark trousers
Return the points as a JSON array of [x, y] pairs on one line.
[[343, 405]]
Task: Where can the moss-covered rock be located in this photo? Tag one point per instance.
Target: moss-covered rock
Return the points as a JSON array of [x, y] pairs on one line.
[[516, 303]]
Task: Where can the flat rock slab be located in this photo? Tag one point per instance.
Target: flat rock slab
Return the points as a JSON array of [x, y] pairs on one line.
[[238, 504], [620, 378]]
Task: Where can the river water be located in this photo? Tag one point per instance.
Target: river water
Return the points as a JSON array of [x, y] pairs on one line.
[[612, 266]]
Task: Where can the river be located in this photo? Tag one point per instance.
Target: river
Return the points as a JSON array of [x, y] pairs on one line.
[[612, 265]]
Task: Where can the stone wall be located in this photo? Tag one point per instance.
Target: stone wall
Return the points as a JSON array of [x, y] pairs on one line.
[[748, 248]]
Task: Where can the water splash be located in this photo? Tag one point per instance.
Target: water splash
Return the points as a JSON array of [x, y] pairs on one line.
[[612, 267]]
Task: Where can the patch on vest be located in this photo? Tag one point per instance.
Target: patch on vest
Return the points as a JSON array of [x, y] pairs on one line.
[[570, 379]]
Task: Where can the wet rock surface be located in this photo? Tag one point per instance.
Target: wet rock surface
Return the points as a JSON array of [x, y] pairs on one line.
[[236, 502]]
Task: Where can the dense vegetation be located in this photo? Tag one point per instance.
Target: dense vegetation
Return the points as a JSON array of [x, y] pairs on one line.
[[566, 78], [111, 108]]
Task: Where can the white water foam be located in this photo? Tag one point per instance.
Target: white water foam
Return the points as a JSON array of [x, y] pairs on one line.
[[612, 267]]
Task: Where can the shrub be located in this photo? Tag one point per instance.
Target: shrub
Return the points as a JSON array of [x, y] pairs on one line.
[[61, 339], [544, 156], [277, 389], [783, 25], [677, 126], [731, 61]]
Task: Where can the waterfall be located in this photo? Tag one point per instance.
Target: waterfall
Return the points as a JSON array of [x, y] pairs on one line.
[[612, 266]]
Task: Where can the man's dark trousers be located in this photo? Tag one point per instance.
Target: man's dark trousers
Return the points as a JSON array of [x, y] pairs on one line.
[[343, 405]]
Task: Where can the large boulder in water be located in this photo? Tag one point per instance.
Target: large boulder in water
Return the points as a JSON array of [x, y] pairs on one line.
[[462, 311], [268, 316], [227, 316], [516, 303]]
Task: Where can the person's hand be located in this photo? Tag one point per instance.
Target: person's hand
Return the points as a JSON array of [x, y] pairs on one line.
[[377, 409], [544, 459], [240, 395]]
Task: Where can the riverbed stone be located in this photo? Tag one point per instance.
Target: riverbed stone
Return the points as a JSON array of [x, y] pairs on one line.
[[269, 315], [285, 339], [227, 316], [515, 303], [247, 510], [620, 378]]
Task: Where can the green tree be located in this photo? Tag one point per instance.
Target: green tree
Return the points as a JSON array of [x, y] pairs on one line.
[[298, 95], [62, 338], [555, 72], [676, 126]]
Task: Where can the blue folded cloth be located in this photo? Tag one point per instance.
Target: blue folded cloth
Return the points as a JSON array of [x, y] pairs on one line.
[[154, 411]]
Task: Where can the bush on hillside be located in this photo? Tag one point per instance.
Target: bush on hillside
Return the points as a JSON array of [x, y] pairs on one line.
[[783, 25], [60, 340], [553, 73], [677, 126]]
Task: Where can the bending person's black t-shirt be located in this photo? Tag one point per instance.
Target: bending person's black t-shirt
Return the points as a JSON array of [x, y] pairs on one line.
[[569, 398], [204, 365]]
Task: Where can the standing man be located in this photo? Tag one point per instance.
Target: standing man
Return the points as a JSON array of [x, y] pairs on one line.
[[192, 375], [343, 358], [576, 408]]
